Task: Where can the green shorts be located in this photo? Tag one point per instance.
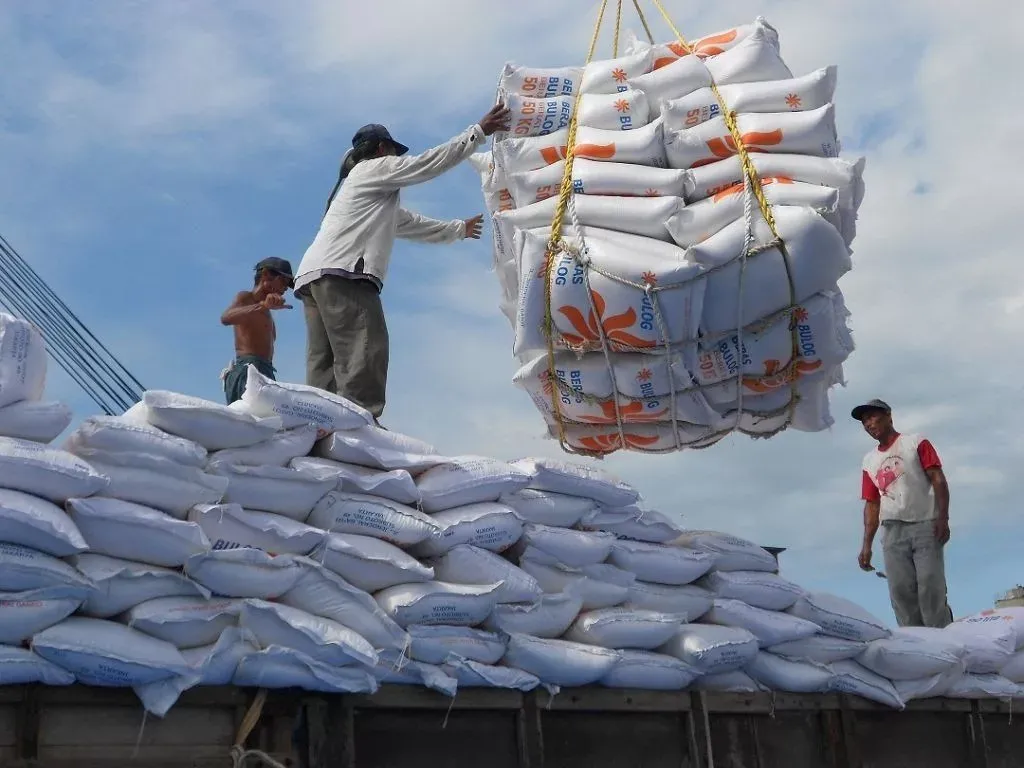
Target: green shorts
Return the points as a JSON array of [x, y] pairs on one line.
[[236, 375]]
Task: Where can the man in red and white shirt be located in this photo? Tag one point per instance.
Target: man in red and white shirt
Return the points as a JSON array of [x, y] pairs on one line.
[[905, 492]]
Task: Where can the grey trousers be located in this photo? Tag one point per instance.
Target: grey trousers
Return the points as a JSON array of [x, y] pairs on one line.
[[916, 571], [347, 340]]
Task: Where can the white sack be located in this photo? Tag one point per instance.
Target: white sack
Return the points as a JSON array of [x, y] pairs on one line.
[[731, 553], [134, 532], [228, 526], [487, 525], [989, 646], [779, 674], [565, 546], [1013, 615], [688, 599], [547, 508], [712, 649], [36, 421], [212, 425], [627, 311], [911, 657], [20, 666], [437, 602], [757, 588], [769, 627], [642, 146], [321, 639], [1014, 668], [377, 448], [473, 674], [275, 452], [539, 82], [213, 664], [851, 677], [633, 523], [369, 563], [548, 616], [244, 573], [537, 117], [117, 434], [596, 177], [839, 617], [341, 512], [621, 111], [121, 584], [46, 472], [396, 484], [156, 482], [322, 592], [23, 614], [649, 671], [394, 668], [434, 644], [465, 480], [38, 524], [796, 94], [659, 563], [280, 667], [280, 490], [604, 587], [582, 480], [185, 622], [106, 654], [22, 360], [736, 681], [467, 564], [976, 686], [610, 75], [819, 649], [299, 405], [625, 628], [22, 569], [559, 662], [929, 687], [703, 47]]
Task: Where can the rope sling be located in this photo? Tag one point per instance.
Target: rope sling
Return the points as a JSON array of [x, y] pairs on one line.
[[558, 249]]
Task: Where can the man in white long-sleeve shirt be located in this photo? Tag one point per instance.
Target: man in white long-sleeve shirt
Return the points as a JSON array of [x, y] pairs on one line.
[[342, 272]]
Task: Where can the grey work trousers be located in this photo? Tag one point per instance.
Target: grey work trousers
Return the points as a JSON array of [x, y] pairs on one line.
[[916, 572], [346, 340]]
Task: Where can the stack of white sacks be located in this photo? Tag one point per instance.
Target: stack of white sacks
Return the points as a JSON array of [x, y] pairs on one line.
[[287, 542], [658, 193]]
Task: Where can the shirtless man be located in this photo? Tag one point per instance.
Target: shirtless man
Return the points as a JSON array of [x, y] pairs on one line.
[[255, 332]]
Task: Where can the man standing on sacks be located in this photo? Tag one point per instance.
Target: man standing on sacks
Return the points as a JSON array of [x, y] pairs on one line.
[[342, 272], [905, 492]]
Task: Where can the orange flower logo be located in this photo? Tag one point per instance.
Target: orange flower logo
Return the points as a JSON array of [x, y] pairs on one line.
[[775, 377], [589, 332], [800, 315], [725, 147], [632, 413], [619, 75], [651, 192], [649, 278], [793, 101], [622, 105], [644, 374], [610, 442]]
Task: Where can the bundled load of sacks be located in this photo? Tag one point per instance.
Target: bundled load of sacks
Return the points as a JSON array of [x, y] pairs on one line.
[[669, 326], [286, 541]]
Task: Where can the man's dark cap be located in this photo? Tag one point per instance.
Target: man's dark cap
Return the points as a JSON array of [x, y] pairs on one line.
[[377, 133], [872, 405], [282, 267]]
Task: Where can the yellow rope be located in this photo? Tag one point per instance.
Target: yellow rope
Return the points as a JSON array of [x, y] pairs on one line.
[[643, 20], [555, 241], [750, 172], [618, 27]]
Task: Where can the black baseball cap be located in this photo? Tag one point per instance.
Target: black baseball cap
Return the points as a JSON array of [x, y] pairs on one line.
[[282, 267], [872, 405], [377, 133]]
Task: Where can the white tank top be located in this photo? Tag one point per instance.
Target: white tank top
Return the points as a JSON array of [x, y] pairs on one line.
[[903, 484]]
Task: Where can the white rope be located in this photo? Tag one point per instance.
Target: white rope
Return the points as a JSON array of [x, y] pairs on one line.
[[748, 240], [240, 756]]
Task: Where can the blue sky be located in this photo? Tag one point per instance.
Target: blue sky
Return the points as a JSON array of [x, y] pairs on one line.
[[153, 152]]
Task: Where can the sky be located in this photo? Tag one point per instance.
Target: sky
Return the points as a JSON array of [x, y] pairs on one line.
[[153, 152]]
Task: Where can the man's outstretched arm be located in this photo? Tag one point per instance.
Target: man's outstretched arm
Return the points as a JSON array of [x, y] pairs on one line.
[[423, 229]]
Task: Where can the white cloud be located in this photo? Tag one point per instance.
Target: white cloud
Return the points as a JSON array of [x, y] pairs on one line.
[[197, 94]]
